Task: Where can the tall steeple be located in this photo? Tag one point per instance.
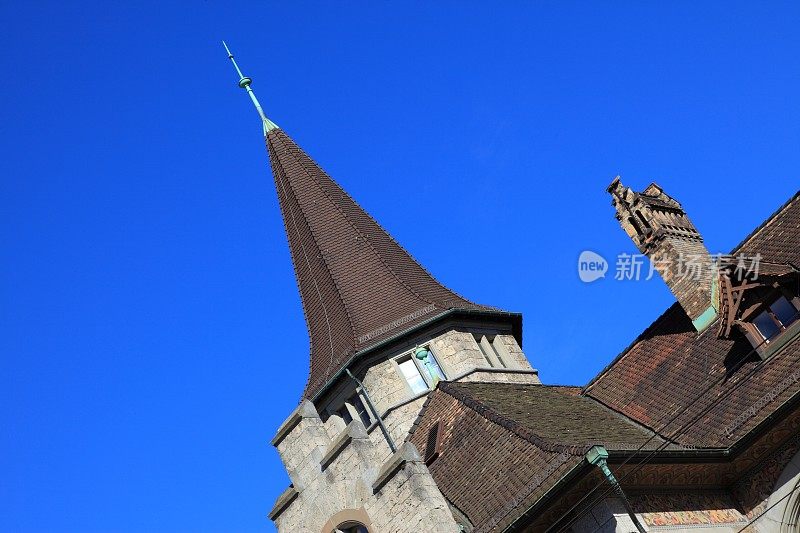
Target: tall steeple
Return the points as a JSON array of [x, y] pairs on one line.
[[358, 286]]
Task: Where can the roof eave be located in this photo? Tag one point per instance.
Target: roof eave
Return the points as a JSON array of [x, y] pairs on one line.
[[516, 324], [681, 456], [581, 469]]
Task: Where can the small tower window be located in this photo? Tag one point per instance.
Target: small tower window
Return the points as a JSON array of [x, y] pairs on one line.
[[645, 223], [354, 407], [412, 375], [344, 413], [632, 222], [420, 369]]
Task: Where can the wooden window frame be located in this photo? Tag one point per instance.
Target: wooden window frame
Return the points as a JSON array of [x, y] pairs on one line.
[[765, 347], [767, 307]]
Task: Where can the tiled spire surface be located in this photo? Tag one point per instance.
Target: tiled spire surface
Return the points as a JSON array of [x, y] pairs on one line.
[[357, 284]]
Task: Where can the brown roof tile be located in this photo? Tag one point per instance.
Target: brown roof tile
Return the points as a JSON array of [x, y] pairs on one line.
[[505, 445], [553, 415], [671, 371], [357, 285]]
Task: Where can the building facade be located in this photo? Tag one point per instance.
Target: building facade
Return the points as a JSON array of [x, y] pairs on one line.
[[422, 413]]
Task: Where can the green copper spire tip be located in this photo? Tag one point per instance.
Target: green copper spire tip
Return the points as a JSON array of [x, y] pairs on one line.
[[244, 83]]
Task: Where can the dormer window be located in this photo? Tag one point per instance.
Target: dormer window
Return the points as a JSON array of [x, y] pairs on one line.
[[775, 318], [770, 326], [761, 301]]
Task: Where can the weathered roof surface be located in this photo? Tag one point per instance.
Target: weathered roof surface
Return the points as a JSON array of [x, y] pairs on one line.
[[671, 371], [555, 414], [504, 445], [358, 285]]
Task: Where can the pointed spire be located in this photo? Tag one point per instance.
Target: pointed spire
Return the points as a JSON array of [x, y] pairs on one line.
[[358, 286], [244, 83]]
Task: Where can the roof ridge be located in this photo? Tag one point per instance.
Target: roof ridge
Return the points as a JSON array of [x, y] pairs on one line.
[[622, 415], [522, 432], [766, 222]]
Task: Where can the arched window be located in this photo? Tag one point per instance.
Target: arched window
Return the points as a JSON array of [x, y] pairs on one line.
[[351, 527], [792, 522], [349, 521]]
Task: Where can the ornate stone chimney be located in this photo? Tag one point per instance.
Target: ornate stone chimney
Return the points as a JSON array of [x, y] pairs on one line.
[[660, 229]]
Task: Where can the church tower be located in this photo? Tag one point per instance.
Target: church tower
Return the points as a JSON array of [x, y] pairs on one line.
[[383, 333]]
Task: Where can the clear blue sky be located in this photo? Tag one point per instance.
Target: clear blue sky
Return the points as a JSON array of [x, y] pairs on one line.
[[151, 334]]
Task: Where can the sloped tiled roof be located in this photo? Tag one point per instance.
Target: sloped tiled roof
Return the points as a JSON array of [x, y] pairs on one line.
[[358, 285], [504, 445], [554, 414], [672, 371]]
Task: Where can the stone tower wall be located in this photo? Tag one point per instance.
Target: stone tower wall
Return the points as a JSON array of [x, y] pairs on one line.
[[340, 471], [353, 477]]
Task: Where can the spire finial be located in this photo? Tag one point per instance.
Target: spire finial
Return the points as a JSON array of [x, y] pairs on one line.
[[244, 83]]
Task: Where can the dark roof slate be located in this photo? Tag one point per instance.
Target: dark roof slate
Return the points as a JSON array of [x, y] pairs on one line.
[[505, 445], [554, 414]]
